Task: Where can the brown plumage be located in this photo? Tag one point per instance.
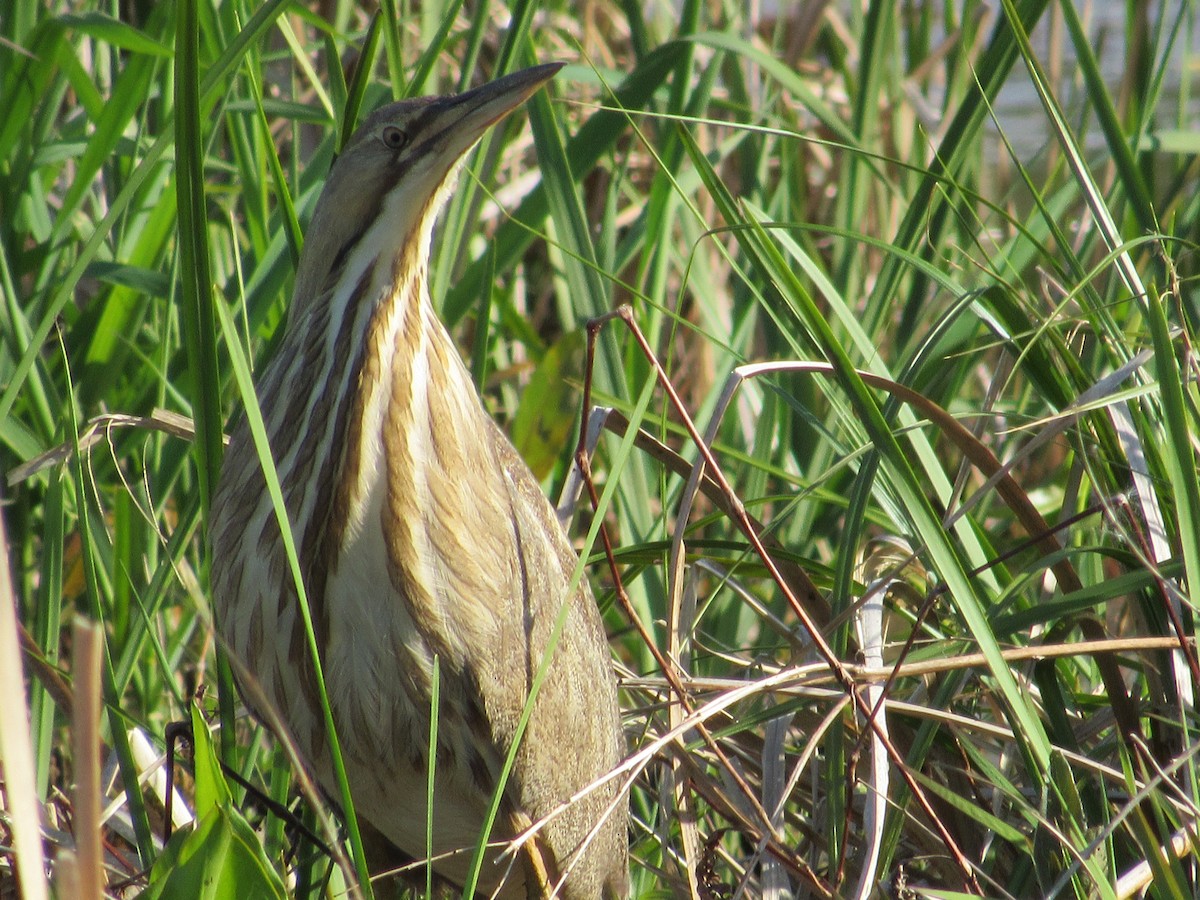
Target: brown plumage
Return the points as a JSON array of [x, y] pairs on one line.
[[420, 532]]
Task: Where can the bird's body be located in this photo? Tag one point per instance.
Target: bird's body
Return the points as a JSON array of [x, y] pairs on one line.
[[421, 533]]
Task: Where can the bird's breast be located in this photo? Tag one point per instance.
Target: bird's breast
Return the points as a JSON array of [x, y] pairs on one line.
[[407, 556]]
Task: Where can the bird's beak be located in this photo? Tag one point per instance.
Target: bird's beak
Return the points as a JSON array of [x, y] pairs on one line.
[[465, 117]]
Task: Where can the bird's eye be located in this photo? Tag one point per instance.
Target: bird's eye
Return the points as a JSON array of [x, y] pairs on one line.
[[394, 138]]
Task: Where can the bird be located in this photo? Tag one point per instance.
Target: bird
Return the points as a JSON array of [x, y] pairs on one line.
[[421, 534]]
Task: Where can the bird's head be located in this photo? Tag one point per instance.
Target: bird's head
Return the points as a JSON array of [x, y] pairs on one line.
[[394, 175]]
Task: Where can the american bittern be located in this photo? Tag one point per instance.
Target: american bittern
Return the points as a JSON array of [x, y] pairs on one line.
[[421, 532]]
